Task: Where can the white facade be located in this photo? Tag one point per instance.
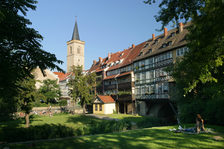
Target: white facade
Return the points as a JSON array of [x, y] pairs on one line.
[[109, 108]]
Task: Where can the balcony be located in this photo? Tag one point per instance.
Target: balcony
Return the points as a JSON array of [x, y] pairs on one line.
[[152, 96]]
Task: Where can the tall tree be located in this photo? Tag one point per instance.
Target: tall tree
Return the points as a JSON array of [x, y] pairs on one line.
[[82, 86], [20, 48], [50, 90], [26, 97], [199, 75]]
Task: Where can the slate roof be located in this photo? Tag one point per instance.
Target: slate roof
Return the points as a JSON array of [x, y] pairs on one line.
[[176, 38], [75, 35], [106, 99]]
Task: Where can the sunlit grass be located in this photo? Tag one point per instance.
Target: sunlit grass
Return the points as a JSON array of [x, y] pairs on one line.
[[155, 138]]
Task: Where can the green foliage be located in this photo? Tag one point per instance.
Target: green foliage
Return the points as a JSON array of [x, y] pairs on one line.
[[150, 138], [82, 86], [124, 93], [20, 50], [27, 94], [62, 102], [50, 91], [46, 131]]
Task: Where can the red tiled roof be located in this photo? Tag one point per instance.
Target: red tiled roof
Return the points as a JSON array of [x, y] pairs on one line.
[[113, 58], [133, 54], [62, 76], [106, 99], [128, 55]]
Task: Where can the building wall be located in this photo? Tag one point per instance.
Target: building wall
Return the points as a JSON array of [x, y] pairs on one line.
[[64, 89], [98, 108], [75, 54], [142, 108], [109, 108], [39, 77]]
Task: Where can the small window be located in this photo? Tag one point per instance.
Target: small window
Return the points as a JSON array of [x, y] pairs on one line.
[[149, 51], [169, 43], [164, 45], [140, 53], [96, 107], [70, 49], [146, 45], [100, 107], [78, 50]]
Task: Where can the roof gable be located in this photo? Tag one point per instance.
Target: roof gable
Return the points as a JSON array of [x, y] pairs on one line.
[[105, 99]]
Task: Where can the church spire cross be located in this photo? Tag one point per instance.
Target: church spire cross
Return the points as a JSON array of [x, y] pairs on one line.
[[75, 35]]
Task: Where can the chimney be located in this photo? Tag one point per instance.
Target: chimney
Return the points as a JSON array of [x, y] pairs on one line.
[[181, 27], [165, 31], [100, 59], [94, 62], [109, 56], [153, 37], [133, 46]]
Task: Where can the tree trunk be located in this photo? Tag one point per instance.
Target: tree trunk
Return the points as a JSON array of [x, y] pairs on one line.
[[27, 120], [84, 108]]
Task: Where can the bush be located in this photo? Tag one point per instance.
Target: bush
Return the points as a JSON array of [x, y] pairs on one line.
[[36, 132], [151, 122], [62, 102], [108, 126]]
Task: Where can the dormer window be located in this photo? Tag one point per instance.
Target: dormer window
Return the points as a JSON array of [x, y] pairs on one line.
[[164, 45], [149, 51], [146, 45], [169, 43], [140, 54]]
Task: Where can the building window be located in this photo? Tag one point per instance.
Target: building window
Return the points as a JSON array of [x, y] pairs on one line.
[[70, 49], [78, 50], [96, 107], [181, 51], [100, 107]]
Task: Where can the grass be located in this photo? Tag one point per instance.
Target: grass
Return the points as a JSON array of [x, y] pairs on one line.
[[155, 138], [133, 118], [74, 121]]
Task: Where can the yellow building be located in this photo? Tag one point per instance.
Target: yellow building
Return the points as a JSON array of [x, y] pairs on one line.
[[104, 105]]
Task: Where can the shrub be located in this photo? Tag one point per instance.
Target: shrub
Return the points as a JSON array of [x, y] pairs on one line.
[[36, 132]]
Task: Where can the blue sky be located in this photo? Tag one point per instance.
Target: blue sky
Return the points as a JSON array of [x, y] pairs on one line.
[[105, 25]]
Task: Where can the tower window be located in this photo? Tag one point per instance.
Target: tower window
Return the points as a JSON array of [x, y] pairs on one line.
[[78, 50], [70, 49]]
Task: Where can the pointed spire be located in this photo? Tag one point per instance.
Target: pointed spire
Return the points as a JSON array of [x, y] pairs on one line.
[[75, 35]]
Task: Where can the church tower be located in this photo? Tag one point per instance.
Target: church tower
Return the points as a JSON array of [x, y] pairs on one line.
[[75, 50]]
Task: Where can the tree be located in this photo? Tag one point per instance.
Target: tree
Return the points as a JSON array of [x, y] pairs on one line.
[[199, 75], [26, 97], [50, 90], [82, 86], [20, 50]]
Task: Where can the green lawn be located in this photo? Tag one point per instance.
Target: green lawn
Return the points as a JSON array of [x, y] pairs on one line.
[[69, 120], [156, 137], [153, 138], [133, 118]]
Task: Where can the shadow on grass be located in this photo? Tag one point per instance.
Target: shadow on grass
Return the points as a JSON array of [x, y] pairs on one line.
[[45, 131], [144, 138]]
